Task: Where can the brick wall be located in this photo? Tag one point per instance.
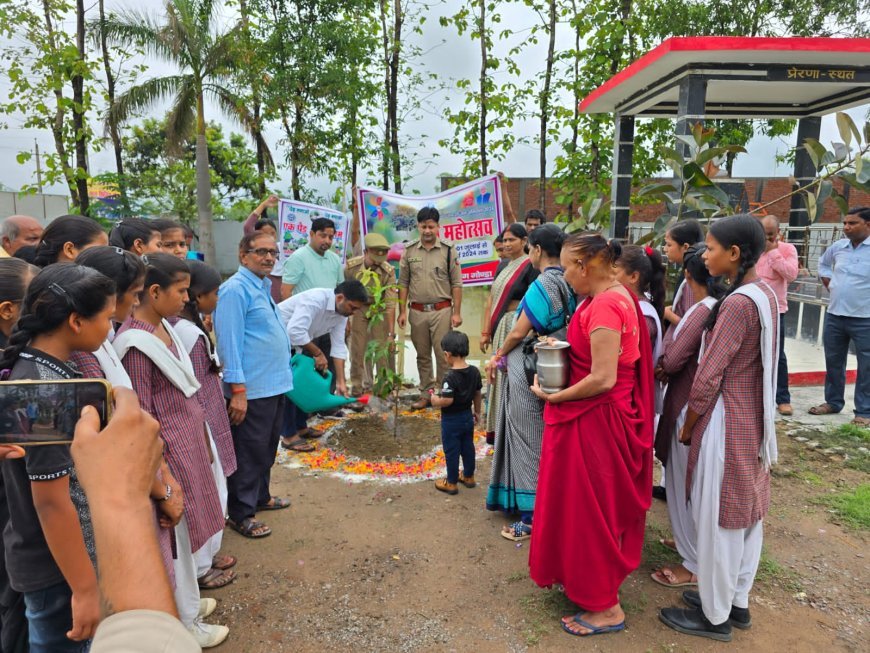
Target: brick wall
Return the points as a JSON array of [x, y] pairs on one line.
[[525, 193]]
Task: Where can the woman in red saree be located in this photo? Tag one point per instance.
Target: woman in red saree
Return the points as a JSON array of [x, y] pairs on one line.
[[596, 459]]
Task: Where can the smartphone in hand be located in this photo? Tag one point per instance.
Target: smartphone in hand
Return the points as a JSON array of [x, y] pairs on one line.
[[36, 413]]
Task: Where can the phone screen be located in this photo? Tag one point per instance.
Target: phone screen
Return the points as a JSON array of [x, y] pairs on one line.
[[45, 412]]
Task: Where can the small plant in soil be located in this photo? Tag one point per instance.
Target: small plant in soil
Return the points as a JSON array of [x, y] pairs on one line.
[[387, 382]]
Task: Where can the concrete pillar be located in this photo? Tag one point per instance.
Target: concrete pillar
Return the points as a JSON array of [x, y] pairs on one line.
[[691, 107], [804, 173], [620, 185]]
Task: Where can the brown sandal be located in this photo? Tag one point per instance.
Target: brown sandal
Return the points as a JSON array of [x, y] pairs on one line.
[[250, 527], [223, 562], [665, 576], [297, 446], [215, 579], [823, 409]]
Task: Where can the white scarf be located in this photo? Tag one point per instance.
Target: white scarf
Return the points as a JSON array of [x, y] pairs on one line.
[[709, 302], [678, 295], [769, 362], [189, 333], [179, 370], [649, 311], [115, 373]]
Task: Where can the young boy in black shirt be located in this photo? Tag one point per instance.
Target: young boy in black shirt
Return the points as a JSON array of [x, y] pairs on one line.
[[461, 389]]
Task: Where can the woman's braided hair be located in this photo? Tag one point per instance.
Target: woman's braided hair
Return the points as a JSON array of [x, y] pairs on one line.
[[746, 233], [203, 279], [54, 294]]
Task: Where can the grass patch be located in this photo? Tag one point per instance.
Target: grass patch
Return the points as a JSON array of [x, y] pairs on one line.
[[849, 441], [655, 554], [853, 431], [516, 577], [850, 508], [770, 572], [542, 610]]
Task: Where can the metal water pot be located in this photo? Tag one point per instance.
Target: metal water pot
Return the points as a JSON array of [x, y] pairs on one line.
[[552, 366]]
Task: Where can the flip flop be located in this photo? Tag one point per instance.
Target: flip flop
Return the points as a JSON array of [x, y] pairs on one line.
[[276, 503], [299, 446], [596, 630], [518, 532], [224, 562], [664, 575]]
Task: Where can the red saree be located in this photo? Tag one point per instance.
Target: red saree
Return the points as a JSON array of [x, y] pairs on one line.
[[596, 466]]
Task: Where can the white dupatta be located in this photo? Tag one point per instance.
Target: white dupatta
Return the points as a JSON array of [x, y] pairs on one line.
[[649, 311], [769, 362], [179, 370]]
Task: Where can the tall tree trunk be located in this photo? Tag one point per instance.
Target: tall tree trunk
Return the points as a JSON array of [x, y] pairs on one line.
[[296, 149], [545, 104], [385, 163], [575, 123], [256, 107], [59, 114], [203, 187], [484, 64], [114, 133], [78, 113], [393, 105]]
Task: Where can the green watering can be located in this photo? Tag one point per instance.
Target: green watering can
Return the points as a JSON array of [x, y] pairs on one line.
[[310, 391]]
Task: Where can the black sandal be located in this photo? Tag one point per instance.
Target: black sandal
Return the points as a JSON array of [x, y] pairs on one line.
[[248, 527]]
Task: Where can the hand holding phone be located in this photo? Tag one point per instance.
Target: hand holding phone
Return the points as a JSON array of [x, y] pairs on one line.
[[36, 413]]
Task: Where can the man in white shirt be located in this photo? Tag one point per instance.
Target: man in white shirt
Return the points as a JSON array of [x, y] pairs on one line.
[[310, 315]]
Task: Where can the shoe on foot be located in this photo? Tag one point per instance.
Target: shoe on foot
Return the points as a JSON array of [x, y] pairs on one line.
[[862, 421], [206, 607], [443, 486], [785, 410], [659, 492], [739, 617], [693, 622], [467, 481], [208, 635]]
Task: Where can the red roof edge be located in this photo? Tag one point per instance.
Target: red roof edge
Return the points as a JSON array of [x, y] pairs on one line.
[[708, 43]]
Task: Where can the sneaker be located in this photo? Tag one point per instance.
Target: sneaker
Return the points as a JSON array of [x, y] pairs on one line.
[[206, 607], [208, 635]]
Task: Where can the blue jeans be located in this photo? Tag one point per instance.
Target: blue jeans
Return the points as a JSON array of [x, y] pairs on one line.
[[457, 438], [839, 332], [49, 618], [782, 394]]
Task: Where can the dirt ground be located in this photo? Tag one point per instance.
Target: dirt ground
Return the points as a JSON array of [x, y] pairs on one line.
[[371, 437], [377, 567]]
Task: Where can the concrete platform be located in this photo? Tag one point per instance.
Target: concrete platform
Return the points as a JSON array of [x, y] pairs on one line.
[[806, 363]]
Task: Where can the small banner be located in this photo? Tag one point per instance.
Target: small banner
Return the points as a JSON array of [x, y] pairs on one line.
[[295, 220], [471, 217]]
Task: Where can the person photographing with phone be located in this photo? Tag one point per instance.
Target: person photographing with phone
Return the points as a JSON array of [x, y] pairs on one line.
[[48, 542]]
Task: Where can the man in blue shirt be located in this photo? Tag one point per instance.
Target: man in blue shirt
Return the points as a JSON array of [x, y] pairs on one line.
[[255, 352], [845, 270]]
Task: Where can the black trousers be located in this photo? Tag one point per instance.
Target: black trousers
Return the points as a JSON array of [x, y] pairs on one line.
[[256, 443]]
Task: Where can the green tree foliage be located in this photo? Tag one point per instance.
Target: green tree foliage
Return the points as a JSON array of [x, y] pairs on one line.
[[42, 63], [162, 174], [188, 37], [485, 120]]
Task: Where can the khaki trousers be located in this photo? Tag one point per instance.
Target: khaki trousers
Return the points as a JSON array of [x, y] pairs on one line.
[[362, 371], [427, 329]]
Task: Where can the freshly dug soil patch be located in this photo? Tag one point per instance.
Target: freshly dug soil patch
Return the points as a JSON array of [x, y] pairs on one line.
[[371, 438]]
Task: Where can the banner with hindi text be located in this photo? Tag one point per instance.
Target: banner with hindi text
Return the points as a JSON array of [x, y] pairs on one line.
[[471, 217], [294, 223]]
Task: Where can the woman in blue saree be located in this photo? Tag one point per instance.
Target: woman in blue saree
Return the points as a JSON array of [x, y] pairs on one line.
[[544, 310]]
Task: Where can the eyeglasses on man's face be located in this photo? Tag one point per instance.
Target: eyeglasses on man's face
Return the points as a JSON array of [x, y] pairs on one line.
[[263, 252]]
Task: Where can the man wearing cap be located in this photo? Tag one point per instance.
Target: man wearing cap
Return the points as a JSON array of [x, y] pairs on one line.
[[374, 259], [430, 284]]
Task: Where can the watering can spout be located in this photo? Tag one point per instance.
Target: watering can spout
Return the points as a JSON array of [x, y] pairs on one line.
[[364, 399]]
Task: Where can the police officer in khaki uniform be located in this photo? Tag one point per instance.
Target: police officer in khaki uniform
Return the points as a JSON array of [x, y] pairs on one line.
[[375, 260], [430, 284]]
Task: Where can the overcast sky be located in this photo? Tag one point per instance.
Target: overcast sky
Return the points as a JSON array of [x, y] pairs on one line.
[[446, 55]]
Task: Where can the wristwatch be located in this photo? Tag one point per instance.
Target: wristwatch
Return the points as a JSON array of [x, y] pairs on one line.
[[168, 493]]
